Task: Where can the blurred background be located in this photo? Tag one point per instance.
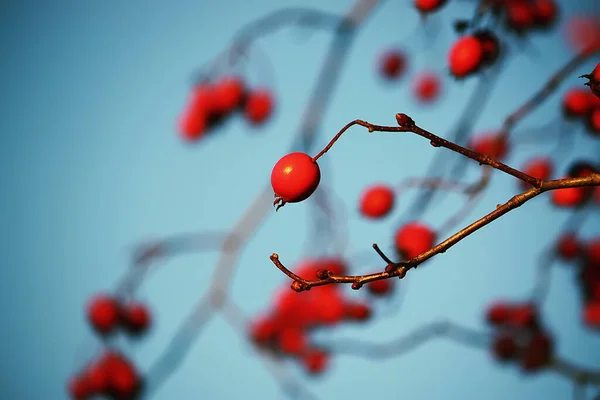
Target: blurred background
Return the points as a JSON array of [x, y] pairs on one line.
[[93, 166]]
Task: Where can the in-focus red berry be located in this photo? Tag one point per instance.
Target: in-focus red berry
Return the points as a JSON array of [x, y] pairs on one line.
[[492, 145], [568, 247], [426, 87], [228, 94], [465, 56], [519, 15], [576, 103], [413, 239], [136, 318], [392, 64], [377, 201], [429, 6], [259, 106], [103, 314], [545, 12], [380, 288], [540, 167], [490, 45], [591, 314], [295, 177], [504, 348], [315, 361]]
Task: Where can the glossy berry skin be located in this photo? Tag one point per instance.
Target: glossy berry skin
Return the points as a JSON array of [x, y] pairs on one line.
[[413, 239], [540, 168], [576, 103], [136, 318], [465, 56], [426, 87], [392, 64], [259, 106], [376, 201], [429, 6], [295, 177], [103, 314]]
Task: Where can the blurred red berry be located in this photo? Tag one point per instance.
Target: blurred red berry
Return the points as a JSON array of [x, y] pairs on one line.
[[228, 94], [465, 56], [103, 314], [568, 247], [413, 239], [498, 313], [426, 87], [380, 288], [136, 318], [376, 201], [392, 64], [540, 167], [591, 314], [504, 348], [259, 106], [429, 6], [491, 145], [576, 103], [315, 361]]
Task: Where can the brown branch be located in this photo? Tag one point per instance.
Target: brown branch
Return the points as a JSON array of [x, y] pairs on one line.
[[399, 269]]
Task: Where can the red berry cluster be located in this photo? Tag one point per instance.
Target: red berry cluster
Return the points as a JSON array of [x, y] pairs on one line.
[[491, 144], [211, 102], [577, 196], [285, 331], [579, 103], [519, 336], [112, 375], [522, 16], [585, 255], [470, 53]]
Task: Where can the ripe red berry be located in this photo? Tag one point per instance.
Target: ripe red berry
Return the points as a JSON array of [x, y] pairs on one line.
[[569, 197], [545, 12], [591, 314], [499, 313], [358, 311], [490, 45], [380, 287], [259, 106], [538, 353], [123, 379], [492, 145], [504, 348], [592, 252], [540, 168], [413, 239], [97, 378], [426, 87], [295, 177], [583, 33], [78, 388], [392, 64], [292, 340], [103, 314], [228, 94], [523, 316], [136, 318], [593, 122], [263, 330], [315, 361], [519, 15], [376, 201], [568, 247], [576, 103], [429, 6], [465, 56]]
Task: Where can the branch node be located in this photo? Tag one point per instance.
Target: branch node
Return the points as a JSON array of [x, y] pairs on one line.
[[323, 274], [299, 287], [357, 285], [404, 120]]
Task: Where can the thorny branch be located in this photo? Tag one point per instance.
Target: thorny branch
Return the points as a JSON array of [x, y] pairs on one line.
[[399, 269]]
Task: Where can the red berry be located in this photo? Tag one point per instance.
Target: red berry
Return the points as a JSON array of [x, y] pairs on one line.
[[426, 87], [263, 330], [583, 33], [591, 314], [291, 340], [228, 94], [540, 168], [524, 316], [576, 103], [465, 57], [592, 252], [376, 201], [358, 311], [78, 388], [499, 313], [504, 348], [491, 145], [392, 64], [103, 314], [315, 361], [519, 15], [569, 197], [136, 318], [97, 378], [490, 45], [380, 288], [259, 106], [538, 353], [295, 177], [593, 122], [544, 12], [192, 125], [124, 380], [429, 6], [568, 247], [413, 239], [328, 306]]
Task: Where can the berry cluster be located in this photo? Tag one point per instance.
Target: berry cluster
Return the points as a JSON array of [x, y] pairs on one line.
[[522, 16], [211, 102], [580, 104], [113, 374], [519, 336], [577, 196], [285, 331], [585, 255]]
